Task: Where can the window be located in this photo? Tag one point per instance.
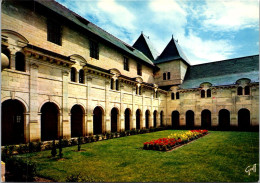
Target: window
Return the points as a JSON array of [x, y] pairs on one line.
[[73, 74], [202, 94], [239, 90], [112, 84], [164, 76], [81, 76], [172, 96], [6, 51], [117, 84], [247, 90], [140, 90], [156, 94], [19, 62], [209, 93], [177, 95], [126, 64], [94, 50], [168, 75], [136, 90], [54, 32], [139, 69]]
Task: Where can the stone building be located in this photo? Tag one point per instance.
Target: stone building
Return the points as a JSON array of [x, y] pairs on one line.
[[67, 77]]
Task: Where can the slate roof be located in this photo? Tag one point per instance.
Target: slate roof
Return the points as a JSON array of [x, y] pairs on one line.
[[88, 26], [171, 52], [221, 73], [144, 44]]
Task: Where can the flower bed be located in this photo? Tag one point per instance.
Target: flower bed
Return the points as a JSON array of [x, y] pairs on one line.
[[174, 140]]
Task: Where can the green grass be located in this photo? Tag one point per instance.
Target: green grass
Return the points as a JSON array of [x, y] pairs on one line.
[[217, 157]]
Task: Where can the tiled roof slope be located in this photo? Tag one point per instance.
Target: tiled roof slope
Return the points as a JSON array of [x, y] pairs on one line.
[[144, 44], [171, 52], [225, 72], [63, 11]]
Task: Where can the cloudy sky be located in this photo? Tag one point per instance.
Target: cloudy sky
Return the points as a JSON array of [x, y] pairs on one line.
[[207, 30]]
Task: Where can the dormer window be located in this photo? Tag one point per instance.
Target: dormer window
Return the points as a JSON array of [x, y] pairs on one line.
[[112, 84], [54, 32], [73, 74], [81, 76], [240, 90], [208, 93], [172, 96], [177, 95], [117, 85]]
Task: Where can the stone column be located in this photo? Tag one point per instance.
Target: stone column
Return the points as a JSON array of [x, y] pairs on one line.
[[121, 112], [142, 120], [65, 124], [214, 114], [34, 123], [89, 116], [133, 113], [107, 112], [197, 112], [233, 115], [151, 123], [255, 107]]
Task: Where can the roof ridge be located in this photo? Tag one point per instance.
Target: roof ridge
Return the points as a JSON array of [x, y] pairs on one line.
[[226, 60], [64, 7]]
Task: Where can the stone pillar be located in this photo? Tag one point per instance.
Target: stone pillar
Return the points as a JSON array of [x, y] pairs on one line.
[[197, 111], [121, 112], [214, 112], [107, 114], [142, 120], [233, 113], [34, 123], [255, 107], [65, 121], [89, 113], [133, 113], [2, 171]]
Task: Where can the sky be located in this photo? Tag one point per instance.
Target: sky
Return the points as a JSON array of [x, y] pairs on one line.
[[206, 30]]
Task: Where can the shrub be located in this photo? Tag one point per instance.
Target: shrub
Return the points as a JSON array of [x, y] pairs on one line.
[[65, 142], [60, 148], [32, 147], [20, 170], [38, 146], [53, 150], [73, 142], [22, 148]]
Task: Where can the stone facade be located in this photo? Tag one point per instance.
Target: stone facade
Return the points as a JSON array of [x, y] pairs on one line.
[[46, 79]]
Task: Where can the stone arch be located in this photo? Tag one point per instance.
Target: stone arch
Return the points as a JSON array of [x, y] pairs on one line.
[[77, 120], [147, 118], [49, 121], [14, 35], [138, 118], [52, 101], [244, 119], [189, 119], [161, 118], [114, 119], [175, 119], [224, 119], [127, 118], [98, 120], [206, 119], [13, 122], [155, 113], [19, 99]]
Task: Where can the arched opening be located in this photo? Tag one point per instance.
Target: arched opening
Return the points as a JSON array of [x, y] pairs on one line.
[[117, 85], [97, 120], [155, 118], [247, 90], [136, 91], [202, 93], [112, 84], [7, 52], [140, 90], [243, 119], [189, 119], [161, 118], [81, 76], [147, 120], [224, 119], [239, 90], [177, 95], [12, 122], [127, 119], [76, 117], [19, 62], [73, 74], [175, 119], [114, 119], [205, 119], [49, 121], [164, 76], [208, 93], [138, 119], [172, 96], [168, 75]]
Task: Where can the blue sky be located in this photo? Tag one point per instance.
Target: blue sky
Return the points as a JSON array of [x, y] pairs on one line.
[[207, 30]]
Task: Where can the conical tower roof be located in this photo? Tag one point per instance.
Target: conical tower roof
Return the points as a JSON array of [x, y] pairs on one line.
[[144, 45], [171, 52]]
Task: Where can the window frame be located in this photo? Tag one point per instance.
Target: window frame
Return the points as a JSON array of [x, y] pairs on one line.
[[126, 63], [93, 49], [54, 32], [139, 69]]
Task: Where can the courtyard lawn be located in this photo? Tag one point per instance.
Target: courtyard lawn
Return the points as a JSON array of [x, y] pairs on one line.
[[217, 157]]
